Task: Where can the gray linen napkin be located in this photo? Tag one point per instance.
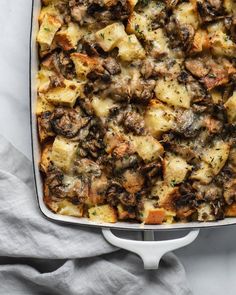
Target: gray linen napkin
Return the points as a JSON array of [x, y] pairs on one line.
[[40, 257]]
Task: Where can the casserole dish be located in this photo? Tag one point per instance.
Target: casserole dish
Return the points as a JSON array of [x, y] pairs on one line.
[[150, 251]]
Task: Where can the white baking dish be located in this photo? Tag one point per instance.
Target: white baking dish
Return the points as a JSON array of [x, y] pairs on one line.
[[150, 251]]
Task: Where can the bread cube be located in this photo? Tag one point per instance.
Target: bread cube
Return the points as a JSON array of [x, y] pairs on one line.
[[110, 36], [50, 10], [43, 105], [102, 106], [164, 193], [175, 169], [150, 214], [84, 64], [65, 96], [230, 106], [159, 41], [103, 213], [63, 153], [200, 42], [68, 37], [186, 13], [124, 214], [138, 25], [50, 25], [204, 174], [130, 49], [231, 210], [45, 157], [216, 156], [147, 147], [159, 118], [221, 44], [205, 212], [173, 93], [65, 207]]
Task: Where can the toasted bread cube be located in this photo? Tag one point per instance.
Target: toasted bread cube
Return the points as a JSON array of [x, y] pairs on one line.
[[205, 212], [43, 79], [68, 37], [231, 210], [147, 147], [63, 153], [159, 118], [201, 41], [204, 174], [50, 25], [175, 169], [173, 93], [84, 64], [102, 106], [216, 156], [50, 10], [103, 213], [221, 44], [164, 193], [65, 96], [45, 157], [230, 106], [138, 25], [110, 36], [216, 96], [124, 214], [152, 215], [130, 49], [186, 13], [43, 105], [159, 41], [66, 208]]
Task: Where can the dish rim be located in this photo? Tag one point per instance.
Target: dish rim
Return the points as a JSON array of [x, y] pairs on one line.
[[35, 150]]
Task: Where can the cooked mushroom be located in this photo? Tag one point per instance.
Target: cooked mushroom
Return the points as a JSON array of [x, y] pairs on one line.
[[68, 122]]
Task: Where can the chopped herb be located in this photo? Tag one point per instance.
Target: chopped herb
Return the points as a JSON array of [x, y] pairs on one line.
[[102, 35], [47, 29]]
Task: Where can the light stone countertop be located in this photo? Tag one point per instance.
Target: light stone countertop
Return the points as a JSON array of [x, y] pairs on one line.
[[210, 262]]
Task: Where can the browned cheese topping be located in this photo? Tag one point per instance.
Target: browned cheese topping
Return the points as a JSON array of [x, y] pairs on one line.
[[137, 109]]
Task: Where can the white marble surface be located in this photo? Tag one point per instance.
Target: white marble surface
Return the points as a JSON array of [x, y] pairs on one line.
[[210, 261]]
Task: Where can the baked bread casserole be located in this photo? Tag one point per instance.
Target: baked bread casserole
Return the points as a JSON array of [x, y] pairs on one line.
[[137, 109]]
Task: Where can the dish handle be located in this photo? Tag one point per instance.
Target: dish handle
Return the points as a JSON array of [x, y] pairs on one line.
[[149, 250]]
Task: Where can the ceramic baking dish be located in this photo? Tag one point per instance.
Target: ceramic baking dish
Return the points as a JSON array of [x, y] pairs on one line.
[[150, 251]]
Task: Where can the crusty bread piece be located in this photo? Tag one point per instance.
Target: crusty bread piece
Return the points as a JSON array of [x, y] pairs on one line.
[[68, 36], [159, 118], [45, 157], [110, 36], [63, 153], [230, 106], [50, 25], [84, 64], [175, 169], [148, 148], [173, 93], [65, 96], [103, 213]]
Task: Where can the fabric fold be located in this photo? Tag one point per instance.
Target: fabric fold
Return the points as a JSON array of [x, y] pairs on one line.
[[38, 256]]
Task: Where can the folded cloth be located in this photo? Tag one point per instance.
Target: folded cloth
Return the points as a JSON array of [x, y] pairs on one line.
[[40, 257]]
